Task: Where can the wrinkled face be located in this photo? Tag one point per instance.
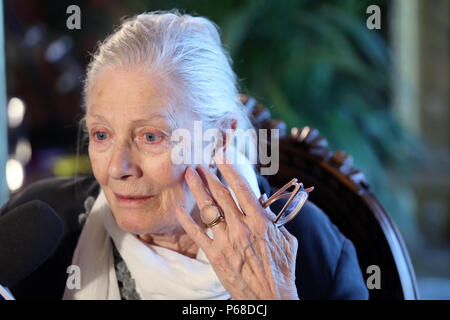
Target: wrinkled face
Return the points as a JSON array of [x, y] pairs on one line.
[[129, 123]]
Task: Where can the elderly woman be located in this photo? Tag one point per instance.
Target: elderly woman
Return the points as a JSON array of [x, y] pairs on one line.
[[147, 227]]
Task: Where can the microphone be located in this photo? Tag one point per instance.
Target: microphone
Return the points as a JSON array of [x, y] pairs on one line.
[[29, 234], [5, 294]]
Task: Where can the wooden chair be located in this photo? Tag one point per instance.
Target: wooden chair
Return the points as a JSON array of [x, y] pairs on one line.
[[343, 193]]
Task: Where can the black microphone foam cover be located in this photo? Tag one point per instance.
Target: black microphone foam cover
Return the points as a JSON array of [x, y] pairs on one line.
[[29, 234]]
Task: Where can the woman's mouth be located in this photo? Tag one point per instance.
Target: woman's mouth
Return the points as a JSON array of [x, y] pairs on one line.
[[132, 199]]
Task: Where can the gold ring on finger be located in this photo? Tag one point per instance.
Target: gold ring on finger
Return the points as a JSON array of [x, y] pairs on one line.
[[209, 219]]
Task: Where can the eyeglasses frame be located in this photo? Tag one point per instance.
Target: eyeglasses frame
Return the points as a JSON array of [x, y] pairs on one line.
[[279, 195]]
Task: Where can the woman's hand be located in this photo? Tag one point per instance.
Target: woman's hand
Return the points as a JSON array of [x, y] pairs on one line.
[[252, 257]]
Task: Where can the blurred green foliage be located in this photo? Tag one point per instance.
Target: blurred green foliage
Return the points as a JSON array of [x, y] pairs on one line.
[[315, 63]]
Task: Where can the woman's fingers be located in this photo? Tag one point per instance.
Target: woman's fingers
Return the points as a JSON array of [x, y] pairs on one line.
[[204, 200], [223, 197], [244, 193], [193, 230]]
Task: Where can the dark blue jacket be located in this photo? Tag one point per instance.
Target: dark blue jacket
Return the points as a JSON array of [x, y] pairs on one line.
[[327, 265]]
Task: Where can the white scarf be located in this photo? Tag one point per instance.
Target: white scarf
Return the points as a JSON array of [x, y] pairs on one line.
[[158, 273]]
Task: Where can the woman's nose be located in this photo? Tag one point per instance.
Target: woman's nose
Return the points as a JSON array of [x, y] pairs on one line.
[[122, 164]]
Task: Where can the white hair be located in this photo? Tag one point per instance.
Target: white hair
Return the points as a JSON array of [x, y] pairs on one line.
[[186, 50]]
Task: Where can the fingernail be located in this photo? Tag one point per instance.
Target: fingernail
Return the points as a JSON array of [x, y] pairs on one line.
[[189, 173], [265, 198]]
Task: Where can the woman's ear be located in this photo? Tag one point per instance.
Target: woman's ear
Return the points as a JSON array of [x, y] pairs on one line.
[[227, 131]]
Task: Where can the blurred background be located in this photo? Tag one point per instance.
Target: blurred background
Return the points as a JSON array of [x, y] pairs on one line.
[[380, 95]]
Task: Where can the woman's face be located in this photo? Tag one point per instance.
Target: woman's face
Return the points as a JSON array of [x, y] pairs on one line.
[[130, 122]]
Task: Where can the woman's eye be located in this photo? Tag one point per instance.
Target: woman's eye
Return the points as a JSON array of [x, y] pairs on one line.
[[151, 137], [100, 135]]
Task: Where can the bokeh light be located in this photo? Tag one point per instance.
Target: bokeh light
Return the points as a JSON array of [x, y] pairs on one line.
[[23, 151], [14, 174], [16, 112]]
